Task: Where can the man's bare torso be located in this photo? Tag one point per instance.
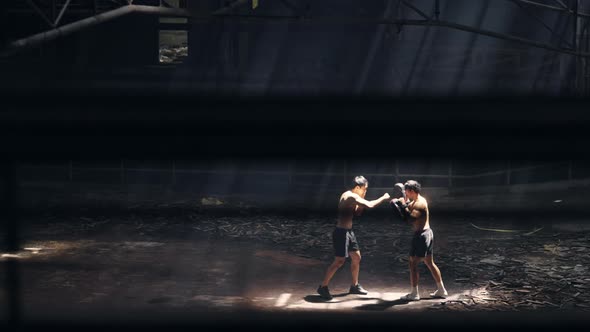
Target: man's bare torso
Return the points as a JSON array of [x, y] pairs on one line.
[[422, 222], [347, 209]]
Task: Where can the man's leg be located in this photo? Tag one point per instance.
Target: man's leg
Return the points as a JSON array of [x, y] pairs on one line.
[[414, 277], [355, 266], [323, 288], [336, 264], [339, 239], [355, 263], [440, 290]]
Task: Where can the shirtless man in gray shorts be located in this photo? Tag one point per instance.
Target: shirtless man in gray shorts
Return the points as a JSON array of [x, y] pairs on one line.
[[352, 203], [414, 209]]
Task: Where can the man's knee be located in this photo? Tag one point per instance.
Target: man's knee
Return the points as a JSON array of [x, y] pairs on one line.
[[414, 260], [355, 256], [339, 261]]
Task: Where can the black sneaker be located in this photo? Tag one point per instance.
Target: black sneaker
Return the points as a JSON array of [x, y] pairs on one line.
[[324, 292], [358, 289]]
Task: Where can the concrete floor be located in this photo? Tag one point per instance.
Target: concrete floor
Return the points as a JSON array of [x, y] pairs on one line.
[[82, 277], [116, 272]]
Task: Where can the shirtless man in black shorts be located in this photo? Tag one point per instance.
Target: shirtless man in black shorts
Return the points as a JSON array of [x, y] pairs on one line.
[[414, 208], [352, 203]]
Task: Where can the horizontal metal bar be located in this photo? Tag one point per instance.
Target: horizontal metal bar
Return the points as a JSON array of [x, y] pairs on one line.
[[407, 175], [177, 170], [162, 11], [67, 29], [174, 26], [398, 22], [508, 37], [294, 173], [549, 7], [512, 170]]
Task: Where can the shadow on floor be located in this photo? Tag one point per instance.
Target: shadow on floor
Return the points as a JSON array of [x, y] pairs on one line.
[[381, 305], [319, 299]]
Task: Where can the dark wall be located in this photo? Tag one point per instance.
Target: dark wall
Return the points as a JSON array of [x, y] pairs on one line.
[[291, 57], [266, 184], [244, 176]]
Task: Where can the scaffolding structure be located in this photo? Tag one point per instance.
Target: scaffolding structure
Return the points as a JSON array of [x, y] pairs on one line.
[[51, 14]]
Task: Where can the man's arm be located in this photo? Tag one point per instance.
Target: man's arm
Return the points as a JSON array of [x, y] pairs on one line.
[[418, 210], [369, 204], [358, 210], [415, 214]]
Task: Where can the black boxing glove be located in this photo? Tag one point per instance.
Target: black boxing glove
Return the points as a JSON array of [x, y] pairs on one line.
[[398, 191], [400, 208]]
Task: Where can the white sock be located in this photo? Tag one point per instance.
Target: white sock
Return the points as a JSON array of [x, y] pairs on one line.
[[440, 285], [414, 290]]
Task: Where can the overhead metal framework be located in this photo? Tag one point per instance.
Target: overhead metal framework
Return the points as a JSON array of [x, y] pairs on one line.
[[95, 11], [106, 10], [301, 15], [578, 46]]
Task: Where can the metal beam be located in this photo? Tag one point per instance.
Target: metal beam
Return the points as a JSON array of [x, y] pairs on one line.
[[563, 5], [416, 9], [559, 9], [61, 13], [230, 7], [225, 13], [402, 22], [540, 20], [40, 13], [509, 38], [67, 29]]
